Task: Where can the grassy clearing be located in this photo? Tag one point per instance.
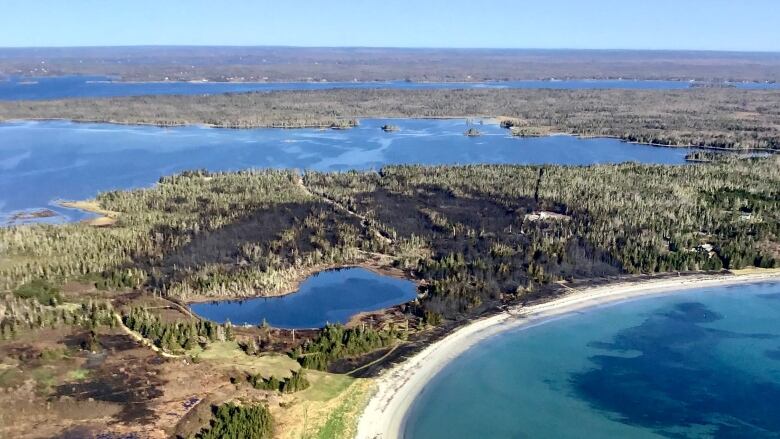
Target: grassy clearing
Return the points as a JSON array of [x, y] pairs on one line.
[[54, 356], [78, 374], [331, 418], [324, 386], [342, 421], [327, 409], [44, 378], [228, 355]]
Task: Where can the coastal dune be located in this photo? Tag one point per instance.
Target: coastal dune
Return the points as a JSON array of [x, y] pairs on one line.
[[396, 388]]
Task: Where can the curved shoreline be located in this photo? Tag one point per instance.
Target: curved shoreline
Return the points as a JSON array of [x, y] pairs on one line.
[[385, 414], [329, 126]]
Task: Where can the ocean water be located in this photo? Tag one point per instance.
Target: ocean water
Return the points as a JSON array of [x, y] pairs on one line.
[[698, 364], [62, 87], [332, 296], [41, 162]]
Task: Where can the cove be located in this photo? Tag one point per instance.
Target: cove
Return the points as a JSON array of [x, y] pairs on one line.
[[332, 296], [62, 87], [41, 162], [696, 364]]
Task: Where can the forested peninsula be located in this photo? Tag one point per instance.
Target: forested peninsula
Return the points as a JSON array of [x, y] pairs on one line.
[[717, 118], [476, 240], [475, 234]]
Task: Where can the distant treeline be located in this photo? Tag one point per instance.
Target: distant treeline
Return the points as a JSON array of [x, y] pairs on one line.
[[719, 118], [476, 235], [370, 64]]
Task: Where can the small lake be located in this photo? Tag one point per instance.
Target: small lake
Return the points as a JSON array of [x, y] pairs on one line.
[[332, 296], [41, 162], [698, 364], [62, 87]]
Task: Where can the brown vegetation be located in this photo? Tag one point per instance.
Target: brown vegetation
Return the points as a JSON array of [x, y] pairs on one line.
[[371, 64], [477, 237], [722, 118]]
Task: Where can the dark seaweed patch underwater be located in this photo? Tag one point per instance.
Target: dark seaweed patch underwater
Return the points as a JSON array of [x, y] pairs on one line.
[[677, 381]]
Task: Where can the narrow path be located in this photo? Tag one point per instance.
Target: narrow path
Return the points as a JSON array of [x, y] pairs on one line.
[[375, 361], [343, 208], [186, 311], [136, 336]]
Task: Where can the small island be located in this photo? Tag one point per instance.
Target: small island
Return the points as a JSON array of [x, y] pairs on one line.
[[343, 124], [31, 215], [472, 132], [509, 122], [529, 132], [521, 128]]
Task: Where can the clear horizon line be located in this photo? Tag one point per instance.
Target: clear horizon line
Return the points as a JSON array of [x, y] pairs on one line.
[[443, 48]]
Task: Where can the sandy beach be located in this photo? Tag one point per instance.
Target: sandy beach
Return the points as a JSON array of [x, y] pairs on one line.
[[396, 389]]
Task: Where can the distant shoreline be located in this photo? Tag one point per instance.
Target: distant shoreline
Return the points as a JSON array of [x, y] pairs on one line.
[[397, 388], [677, 118], [30, 79], [367, 63], [329, 127]]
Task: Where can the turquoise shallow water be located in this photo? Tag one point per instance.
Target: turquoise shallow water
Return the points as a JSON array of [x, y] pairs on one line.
[[698, 364]]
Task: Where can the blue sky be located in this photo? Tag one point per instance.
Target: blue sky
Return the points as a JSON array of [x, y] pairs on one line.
[[606, 24]]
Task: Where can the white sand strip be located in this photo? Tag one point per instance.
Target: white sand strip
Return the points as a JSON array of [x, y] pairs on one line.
[[396, 388]]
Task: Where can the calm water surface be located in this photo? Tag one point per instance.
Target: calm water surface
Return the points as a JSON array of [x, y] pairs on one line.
[[17, 88], [332, 296], [41, 162], [699, 364]]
